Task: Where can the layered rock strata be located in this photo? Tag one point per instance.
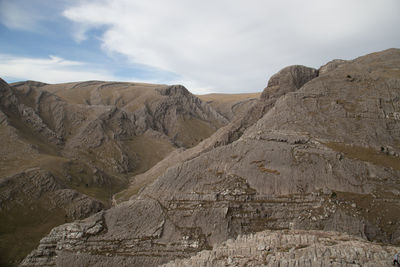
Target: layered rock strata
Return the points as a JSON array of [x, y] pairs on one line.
[[293, 248]]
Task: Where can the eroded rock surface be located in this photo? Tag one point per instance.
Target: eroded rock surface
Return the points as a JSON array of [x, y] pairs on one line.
[[293, 248], [320, 151]]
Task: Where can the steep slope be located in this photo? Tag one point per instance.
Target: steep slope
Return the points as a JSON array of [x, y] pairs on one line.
[[231, 105], [171, 110], [64, 159], [32, 199], [283, 82], [319, 151], [107, 134]]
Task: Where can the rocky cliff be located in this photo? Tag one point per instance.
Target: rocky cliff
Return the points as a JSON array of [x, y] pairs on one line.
[[319, 151], [293, 248]]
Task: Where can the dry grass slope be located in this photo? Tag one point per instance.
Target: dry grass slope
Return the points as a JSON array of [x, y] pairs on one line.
[[366, 154]]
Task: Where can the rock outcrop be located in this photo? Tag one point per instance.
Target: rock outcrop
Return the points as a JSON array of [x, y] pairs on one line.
[[320, 151], [293, 248]]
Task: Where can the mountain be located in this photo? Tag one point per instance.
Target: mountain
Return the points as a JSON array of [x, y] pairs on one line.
[[68, 148], [318, 151]]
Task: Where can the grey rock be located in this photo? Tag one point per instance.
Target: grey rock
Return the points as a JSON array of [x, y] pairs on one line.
[[298, 161], [331, 65], [293, 248]]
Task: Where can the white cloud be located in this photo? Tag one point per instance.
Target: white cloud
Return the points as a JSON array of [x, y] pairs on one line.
[[235, 45], [225, 45], [14, 16], [50, 70]]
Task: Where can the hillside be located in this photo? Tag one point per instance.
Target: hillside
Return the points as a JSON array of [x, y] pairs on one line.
[[68, 148], [231, 105], [320, 150]]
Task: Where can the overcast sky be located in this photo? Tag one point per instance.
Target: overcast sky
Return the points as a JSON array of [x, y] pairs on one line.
[[209, 46]]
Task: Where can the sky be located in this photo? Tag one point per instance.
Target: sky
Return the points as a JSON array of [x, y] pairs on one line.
[[222, 46]]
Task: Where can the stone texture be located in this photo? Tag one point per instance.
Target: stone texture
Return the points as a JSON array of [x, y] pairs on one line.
[[293, 248]]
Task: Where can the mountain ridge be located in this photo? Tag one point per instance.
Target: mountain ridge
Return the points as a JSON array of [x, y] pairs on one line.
[[318, 151], [67, 159]]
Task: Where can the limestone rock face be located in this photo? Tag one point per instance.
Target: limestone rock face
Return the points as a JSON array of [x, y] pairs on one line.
[[331, 65], [255, 109], [288, 80], [171, 115], [293, 248], [319, 152]]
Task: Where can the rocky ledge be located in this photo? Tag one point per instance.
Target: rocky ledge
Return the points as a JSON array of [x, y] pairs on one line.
[[293, 248]]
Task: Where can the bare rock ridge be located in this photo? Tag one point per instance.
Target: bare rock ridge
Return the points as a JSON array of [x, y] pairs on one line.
[[67, 148], [285, 81], [320, 151], [288, 80]]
